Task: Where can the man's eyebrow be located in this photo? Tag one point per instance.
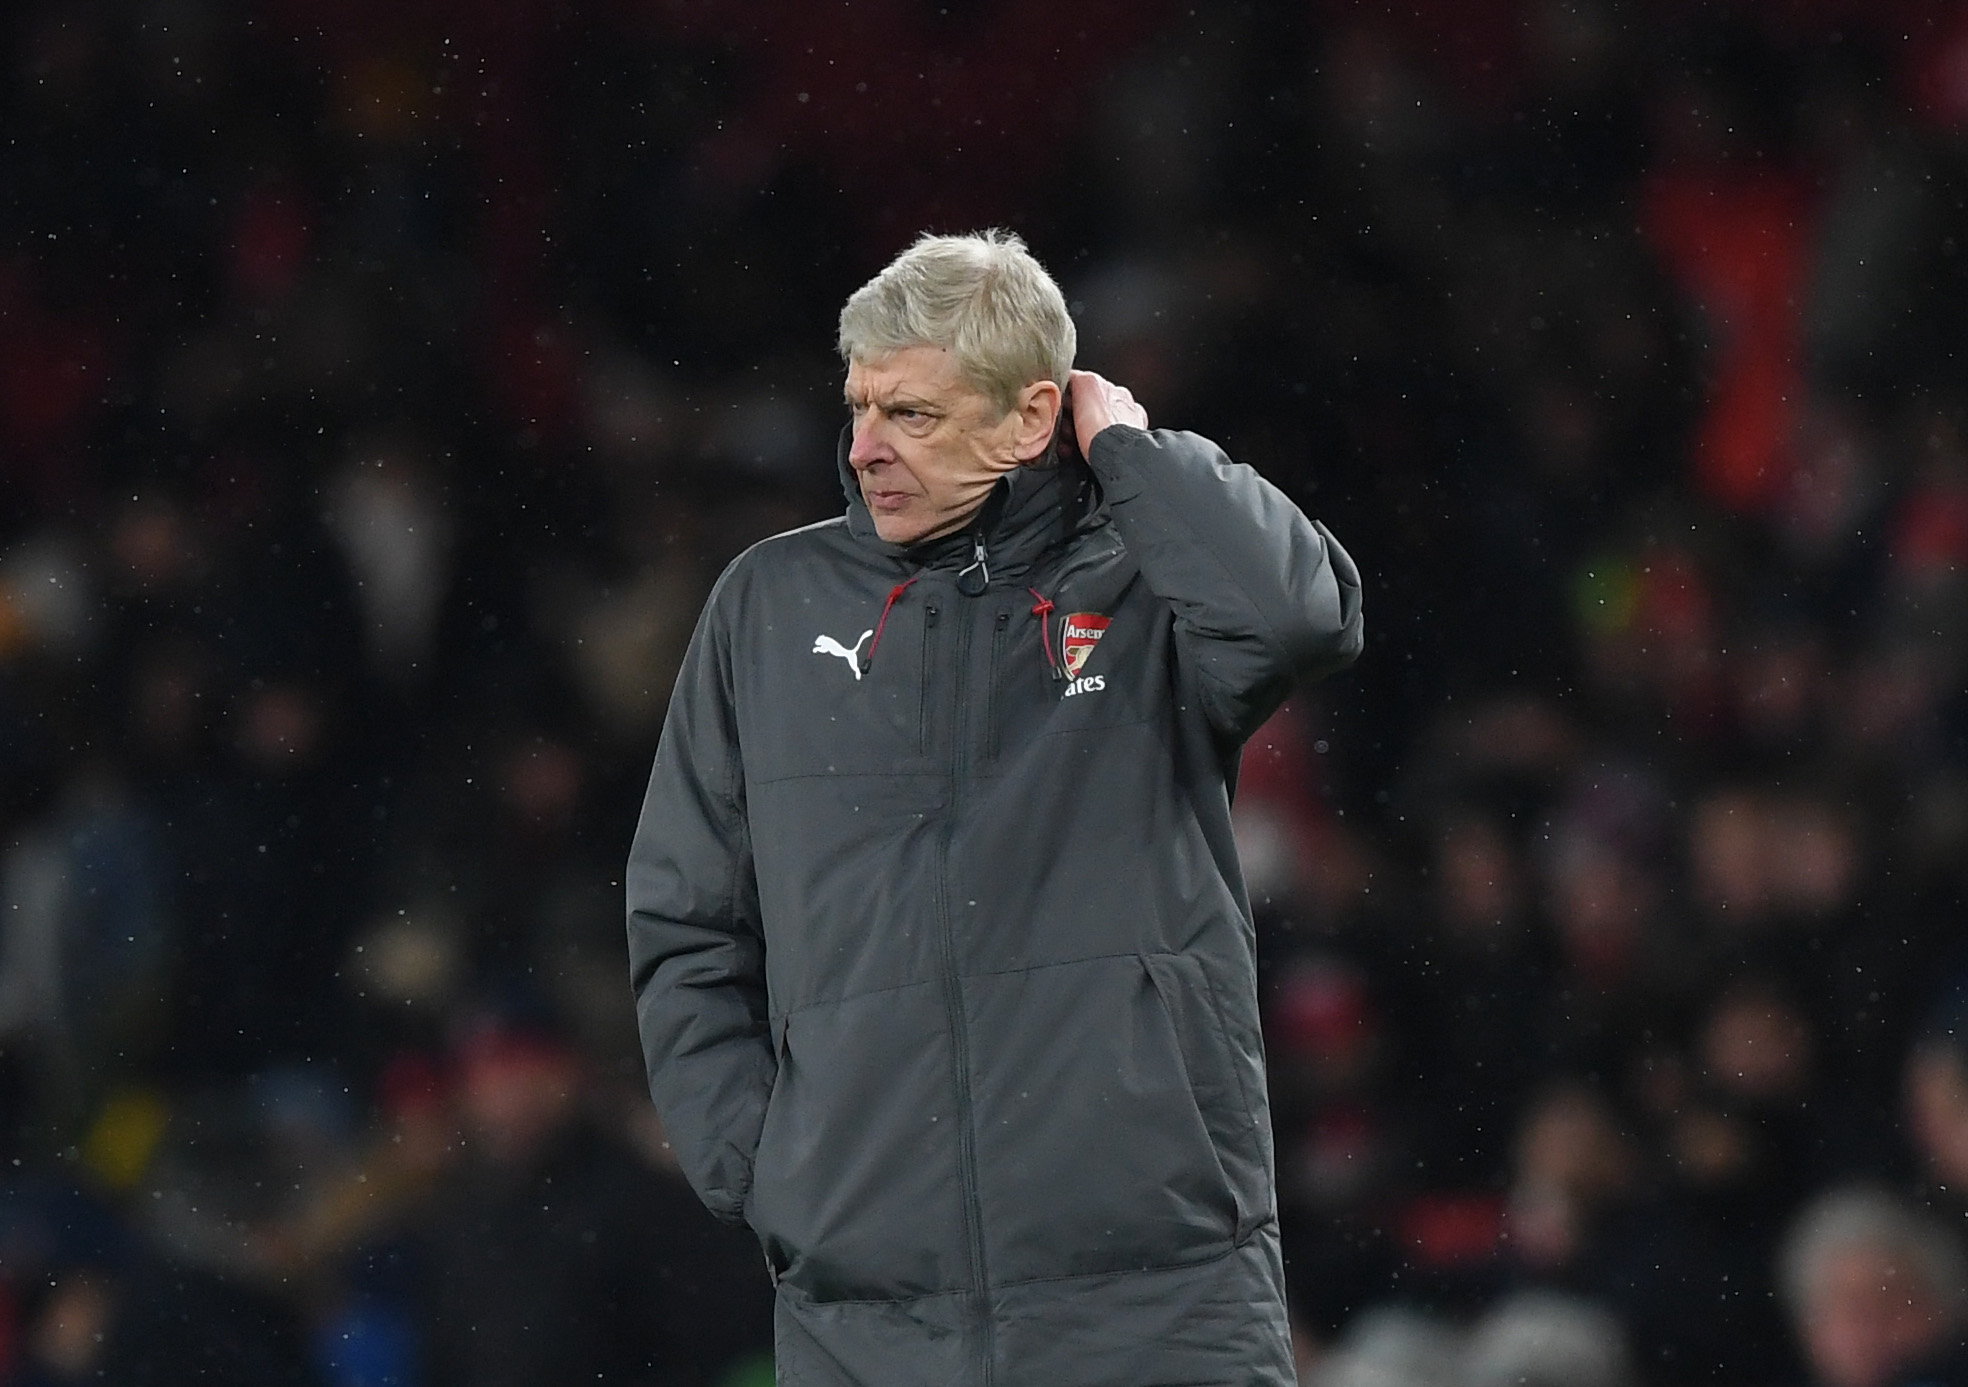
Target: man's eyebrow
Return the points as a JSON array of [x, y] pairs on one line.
[[892, 403]]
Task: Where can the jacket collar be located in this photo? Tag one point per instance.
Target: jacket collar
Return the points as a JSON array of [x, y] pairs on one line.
[[1027, 512]]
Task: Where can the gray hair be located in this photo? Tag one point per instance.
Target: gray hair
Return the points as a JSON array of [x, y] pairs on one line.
[[1542, 1339], [1533, 1339], [981, 297], [1868, 1216], [1390, 1346]]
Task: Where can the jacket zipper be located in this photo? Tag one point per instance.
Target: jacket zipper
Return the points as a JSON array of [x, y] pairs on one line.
[[999, 629], [959, 1029], [975, 576], [925, 679]]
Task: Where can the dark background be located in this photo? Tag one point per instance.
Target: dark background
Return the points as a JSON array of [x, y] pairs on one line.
[[383, 384]]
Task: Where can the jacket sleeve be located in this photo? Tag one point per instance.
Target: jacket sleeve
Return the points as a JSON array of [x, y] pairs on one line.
[[1262, 596], [696, 950]]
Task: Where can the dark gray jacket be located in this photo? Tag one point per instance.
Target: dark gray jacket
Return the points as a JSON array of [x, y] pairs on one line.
[[941, 954]]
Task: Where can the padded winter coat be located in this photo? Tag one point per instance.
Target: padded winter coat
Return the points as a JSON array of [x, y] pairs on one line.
[[942, 958]]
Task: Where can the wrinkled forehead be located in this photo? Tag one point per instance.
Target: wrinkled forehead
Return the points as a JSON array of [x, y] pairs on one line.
[[923, 373]]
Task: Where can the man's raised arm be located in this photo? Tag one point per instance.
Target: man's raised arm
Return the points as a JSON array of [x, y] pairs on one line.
[[1262, 595], [696, 953]]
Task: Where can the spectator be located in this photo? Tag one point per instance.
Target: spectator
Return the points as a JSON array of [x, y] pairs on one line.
[[1877, 1292], [558, 1255], [1935, 1102], [1541, 1340]]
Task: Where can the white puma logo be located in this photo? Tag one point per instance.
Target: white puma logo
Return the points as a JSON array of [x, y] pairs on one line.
[[827, 645]]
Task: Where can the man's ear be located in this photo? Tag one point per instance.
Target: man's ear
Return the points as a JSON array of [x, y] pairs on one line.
[[1038, 413]]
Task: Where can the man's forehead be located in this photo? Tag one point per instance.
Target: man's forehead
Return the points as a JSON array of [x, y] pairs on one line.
[[922, 372]]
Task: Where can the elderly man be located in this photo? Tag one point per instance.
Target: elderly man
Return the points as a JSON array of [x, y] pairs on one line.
[[941, 954], [1877, 1291]]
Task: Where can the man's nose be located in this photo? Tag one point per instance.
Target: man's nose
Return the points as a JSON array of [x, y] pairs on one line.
[[868, 444]]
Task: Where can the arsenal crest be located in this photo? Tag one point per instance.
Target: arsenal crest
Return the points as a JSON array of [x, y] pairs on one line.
[[1077, 638]]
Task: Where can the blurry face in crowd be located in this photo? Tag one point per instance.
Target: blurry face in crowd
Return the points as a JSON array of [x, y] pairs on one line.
[[927, 445], [1756, 853], [1570, 1160], [516, 1095], [1866, 1317], [67, 1337], [1477, 877], [1757, 1045], [1937, 1111]]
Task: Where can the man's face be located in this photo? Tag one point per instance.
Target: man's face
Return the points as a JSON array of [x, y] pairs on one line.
[[1866, 1318], [1937, 1110], [927, 445]]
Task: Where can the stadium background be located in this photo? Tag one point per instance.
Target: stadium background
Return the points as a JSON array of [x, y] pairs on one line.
[[382, 384]]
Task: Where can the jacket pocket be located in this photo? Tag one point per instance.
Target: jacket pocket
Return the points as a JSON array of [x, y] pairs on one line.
[[854, 1188], [1093, 1153], [1221, 1082]]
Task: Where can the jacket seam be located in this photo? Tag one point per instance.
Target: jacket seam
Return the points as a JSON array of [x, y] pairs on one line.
[[1068, 963], [804, 1007], [812, 1299], [734, 783], [985, 973], [1235, 1246], [848, 775], [1210, 1000], [1093, 727], [1245, 1107], [959, 1024]]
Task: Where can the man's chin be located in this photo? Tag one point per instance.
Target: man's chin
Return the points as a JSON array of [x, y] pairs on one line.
[[896, 529]]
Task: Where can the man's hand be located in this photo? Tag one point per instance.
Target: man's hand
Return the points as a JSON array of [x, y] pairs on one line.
[[1098, 402]]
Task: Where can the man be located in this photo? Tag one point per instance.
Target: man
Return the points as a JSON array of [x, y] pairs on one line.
[[555, 1253], [941, 954], [1934, 1101], [1877, 1292]]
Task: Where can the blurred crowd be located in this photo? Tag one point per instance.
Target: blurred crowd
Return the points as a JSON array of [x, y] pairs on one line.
[[383, 384]]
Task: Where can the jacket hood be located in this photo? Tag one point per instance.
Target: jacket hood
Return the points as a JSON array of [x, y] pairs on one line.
[[1027, 512]]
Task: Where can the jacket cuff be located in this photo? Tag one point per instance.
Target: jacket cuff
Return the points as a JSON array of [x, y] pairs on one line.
[[730, 1206], [729, 1211], [1108, 458]]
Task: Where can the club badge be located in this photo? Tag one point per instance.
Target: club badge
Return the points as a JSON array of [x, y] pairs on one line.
[[1077, 638]]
